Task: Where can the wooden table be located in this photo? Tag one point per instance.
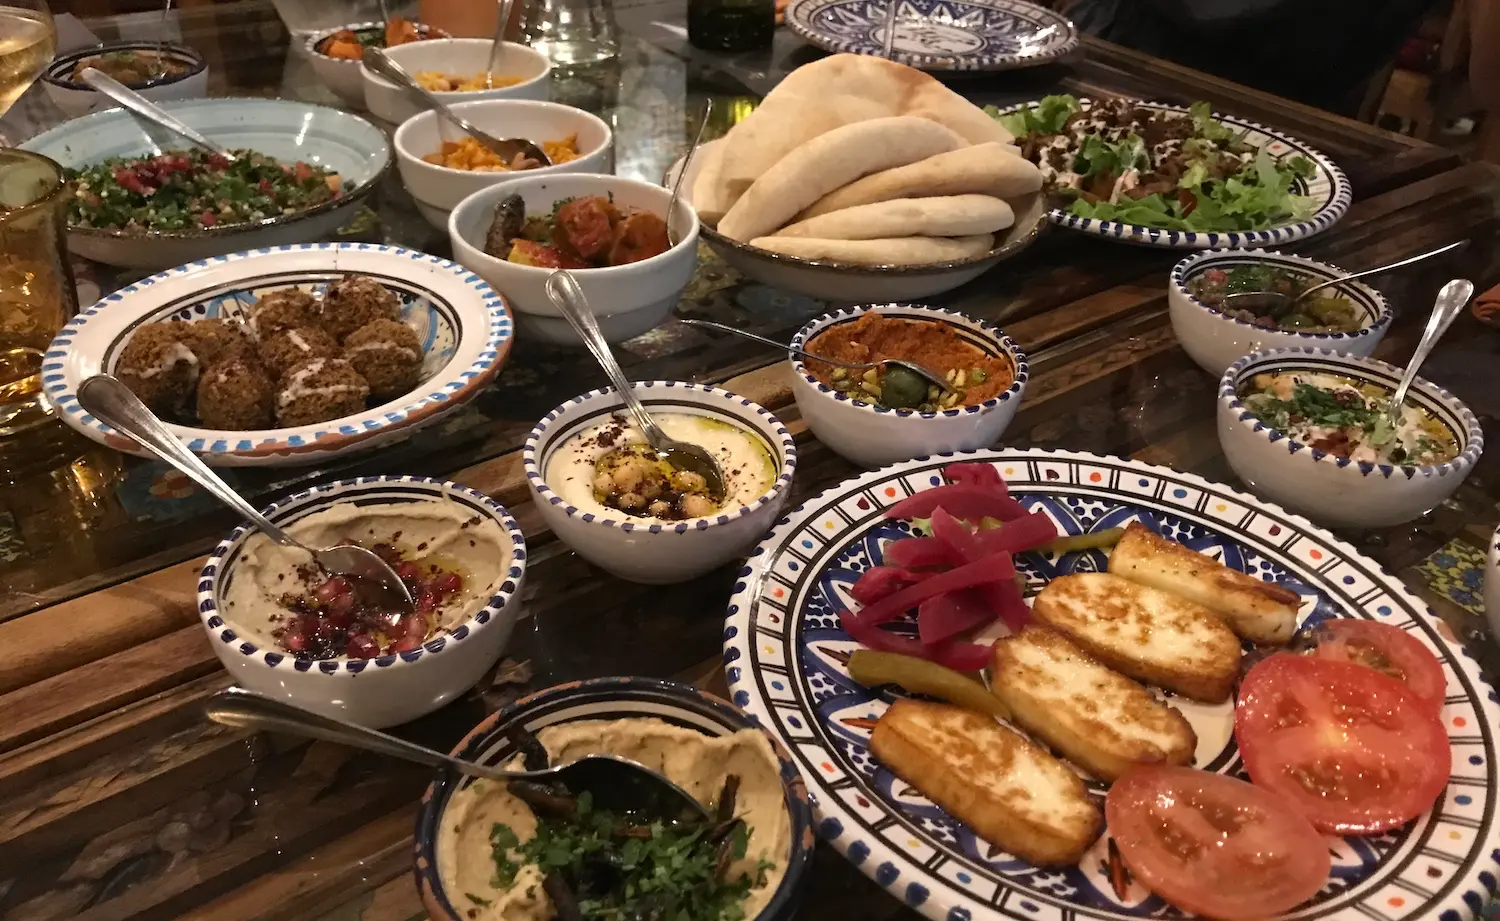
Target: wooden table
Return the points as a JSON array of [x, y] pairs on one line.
[[118, 801]]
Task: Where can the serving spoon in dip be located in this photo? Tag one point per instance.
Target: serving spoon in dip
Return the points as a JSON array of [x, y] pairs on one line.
[[563, 289], [1451, 300], [1276, 301], [111, 402], [615, 783]]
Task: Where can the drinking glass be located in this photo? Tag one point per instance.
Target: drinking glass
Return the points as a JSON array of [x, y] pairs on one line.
[[37, 293], [572, 32], [27, 41]]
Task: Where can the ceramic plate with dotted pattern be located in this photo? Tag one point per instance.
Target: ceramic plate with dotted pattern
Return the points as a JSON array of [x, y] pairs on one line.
[[785, 657]]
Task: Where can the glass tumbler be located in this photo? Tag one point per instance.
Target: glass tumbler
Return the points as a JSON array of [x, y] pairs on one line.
[[37, 293], [572, 32]]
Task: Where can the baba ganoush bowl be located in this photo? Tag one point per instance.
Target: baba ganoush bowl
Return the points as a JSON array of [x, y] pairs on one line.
[[1329, 488], [75, 98], [447, 871], [873, 435], [461, 57], [1216, 340], [559, 460], [344, 76], [448, 524]]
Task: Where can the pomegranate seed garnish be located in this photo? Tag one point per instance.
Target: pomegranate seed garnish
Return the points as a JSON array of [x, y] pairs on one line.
[[428, 601], [363, 646], [208, 219], [409, 572], [296, 642], [331, 589], [448, 583], [407, 644]]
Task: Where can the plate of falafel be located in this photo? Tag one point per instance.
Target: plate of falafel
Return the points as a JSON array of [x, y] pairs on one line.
[[288, 355]]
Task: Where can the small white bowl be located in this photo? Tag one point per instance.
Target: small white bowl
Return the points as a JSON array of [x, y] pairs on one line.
[[460, 57], [1492, 587], [342, 75], [1334, 490], [874, 436], [627, 299], [386, 690], [438, 189], [76, 99], [1216, 340], [642, 549]]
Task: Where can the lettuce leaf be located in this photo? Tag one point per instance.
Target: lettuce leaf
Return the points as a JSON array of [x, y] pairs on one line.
[[1204, 125], [1046, 117]]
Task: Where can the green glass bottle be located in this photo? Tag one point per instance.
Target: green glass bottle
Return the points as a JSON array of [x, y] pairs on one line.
[[731, 25]]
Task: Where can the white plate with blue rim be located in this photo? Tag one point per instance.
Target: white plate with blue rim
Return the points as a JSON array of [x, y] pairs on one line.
[[785, 657], [1327, 189], [940, 35], [465, 328]]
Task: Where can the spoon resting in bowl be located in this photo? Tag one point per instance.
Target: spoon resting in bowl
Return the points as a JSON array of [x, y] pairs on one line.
[[1451, 300]]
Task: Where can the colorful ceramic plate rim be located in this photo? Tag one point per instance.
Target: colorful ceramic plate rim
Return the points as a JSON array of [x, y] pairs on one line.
[[1333, 199], [767, 666], [485, 335], [57, 72], [802, 18]]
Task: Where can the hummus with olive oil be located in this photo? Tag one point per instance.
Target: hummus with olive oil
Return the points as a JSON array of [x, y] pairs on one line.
[[696, 762]]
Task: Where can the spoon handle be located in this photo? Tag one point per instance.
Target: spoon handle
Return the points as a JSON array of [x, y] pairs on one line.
[[378, 61], [133, 101], [1452, 299], [674, 236], [1379, 269], [503, 12], [744, 334], [563, 289], [113, 403]]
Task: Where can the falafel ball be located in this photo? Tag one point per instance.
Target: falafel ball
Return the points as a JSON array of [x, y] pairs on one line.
[[235, 395], [388, 354], [320, 389], [160, 366], [355, 300], [221, 340], [282, 351], [284, 308]]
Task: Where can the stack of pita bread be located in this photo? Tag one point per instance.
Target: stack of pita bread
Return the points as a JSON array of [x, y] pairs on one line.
[[854, 158]]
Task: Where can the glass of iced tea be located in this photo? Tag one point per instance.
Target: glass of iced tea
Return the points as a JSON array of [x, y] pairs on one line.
[[37, 295]]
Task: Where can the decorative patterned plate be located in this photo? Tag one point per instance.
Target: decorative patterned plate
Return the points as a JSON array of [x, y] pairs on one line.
[[464, 326], [784, 653], [939, 34], [1328, 188]]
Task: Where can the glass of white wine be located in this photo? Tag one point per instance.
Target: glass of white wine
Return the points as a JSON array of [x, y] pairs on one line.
[[28, 40]]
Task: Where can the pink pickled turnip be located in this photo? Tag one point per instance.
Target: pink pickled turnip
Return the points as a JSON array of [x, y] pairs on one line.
[[877, 582], [995, 568], [1000, 598], [971, 503], [964, 657], [975, 473], [943, 617], [1025, 533], [917, 552]]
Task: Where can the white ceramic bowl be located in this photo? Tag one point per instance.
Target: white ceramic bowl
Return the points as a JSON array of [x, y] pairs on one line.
[[281, 128], [643, 549], [874, 436], [438, 189], [386, 690], [1492, 586], [343, 76], [76, 99], [847, 283], [1216, 340], [627, 299], [1333, 490], [460, 57]]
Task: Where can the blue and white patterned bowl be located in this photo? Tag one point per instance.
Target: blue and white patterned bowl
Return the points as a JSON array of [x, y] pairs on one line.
[[938, 34], [287, 130], [1330, 489], [465, 328], [609, 699], [75, 98], [644, 549], [1492, 586], [345, 77], [1216, 340], [1328, 188], [874, 436], [386, 690], [786, 656]]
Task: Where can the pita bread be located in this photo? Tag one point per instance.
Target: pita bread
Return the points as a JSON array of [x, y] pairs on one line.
[[984, 169], [889, 251], [706, 193], [948, 216], [835, 91], [828, 161]]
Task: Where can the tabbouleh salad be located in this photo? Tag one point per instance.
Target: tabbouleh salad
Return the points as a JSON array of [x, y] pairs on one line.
[[1117, 160], [194, 190]]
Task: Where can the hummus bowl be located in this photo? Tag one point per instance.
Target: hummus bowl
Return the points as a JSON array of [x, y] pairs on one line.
[[589, 716], [468, 528], [559, 458]]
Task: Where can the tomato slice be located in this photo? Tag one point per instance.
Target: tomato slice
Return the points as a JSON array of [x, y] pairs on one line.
[[1214, 845], [1389, 650], [1353, 750]]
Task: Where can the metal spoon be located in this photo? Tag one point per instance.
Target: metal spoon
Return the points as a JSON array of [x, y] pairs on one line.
[[615, 783], [1275, 300], [113, 403], [563, 289], [1450, 301], [145, 108], [922, 371], [674, 235], [160, 70], [499, 43], [506, 148]]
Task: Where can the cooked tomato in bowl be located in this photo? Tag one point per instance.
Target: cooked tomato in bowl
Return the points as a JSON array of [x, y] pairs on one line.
[[586, 232]]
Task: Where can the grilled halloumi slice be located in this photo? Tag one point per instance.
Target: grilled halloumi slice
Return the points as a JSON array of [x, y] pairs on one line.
[[1260, 611], [1148, 634], [1095, 717], [1008, 789]]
